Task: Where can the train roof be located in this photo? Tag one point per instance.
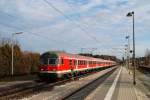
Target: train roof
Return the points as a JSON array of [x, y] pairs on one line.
[[62, 54]]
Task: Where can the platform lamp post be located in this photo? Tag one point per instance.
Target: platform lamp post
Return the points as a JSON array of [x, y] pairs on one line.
[[131, 14], [12, 47], [128, 50], [126, 55]]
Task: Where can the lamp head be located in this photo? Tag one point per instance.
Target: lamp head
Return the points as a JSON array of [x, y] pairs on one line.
[[130, 14], [19, 33], [127, 37]]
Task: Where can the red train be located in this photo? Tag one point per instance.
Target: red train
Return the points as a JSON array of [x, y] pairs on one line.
[[56, 64]]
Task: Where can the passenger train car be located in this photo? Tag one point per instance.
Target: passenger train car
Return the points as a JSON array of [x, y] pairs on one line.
[[56, 64]]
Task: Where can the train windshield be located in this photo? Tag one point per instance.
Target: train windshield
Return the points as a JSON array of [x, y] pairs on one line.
[[49, 59], [52, 61]]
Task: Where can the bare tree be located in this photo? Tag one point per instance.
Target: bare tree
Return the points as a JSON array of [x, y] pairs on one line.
[[24, 62]]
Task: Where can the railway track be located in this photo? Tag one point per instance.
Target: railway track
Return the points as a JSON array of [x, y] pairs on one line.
[[13, 92], [144, 69], [27, 90], [31, 88], [87, 89], [14, 88], [24, 90]]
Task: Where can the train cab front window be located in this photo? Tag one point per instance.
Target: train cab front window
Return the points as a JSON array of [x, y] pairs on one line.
[[52, 61]]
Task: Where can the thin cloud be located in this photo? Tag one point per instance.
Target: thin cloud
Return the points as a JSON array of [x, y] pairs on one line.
[[104, 20]]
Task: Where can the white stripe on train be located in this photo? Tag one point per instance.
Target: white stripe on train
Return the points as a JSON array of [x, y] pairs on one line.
[[67, 71]]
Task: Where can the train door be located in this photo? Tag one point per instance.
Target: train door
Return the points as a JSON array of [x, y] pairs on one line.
[[71, 63]]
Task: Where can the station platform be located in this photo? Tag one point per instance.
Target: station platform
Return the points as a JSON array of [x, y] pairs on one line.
[[119, 86], [125, 90]]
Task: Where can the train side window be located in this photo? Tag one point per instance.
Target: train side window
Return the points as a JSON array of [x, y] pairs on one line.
[[90, 62], [85, 62], [75, 62], [62, 61], [70, 62]]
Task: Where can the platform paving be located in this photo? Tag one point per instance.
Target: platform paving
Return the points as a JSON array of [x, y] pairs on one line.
[[124, 89], [120, 88]]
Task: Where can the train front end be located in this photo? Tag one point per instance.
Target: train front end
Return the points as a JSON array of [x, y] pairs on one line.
[[49, 66]]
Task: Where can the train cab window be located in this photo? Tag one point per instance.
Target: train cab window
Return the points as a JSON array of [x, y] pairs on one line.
[[43, 61], [52, 61]]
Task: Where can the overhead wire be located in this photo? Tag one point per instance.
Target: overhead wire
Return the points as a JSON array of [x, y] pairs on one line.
[[41, 36], [83, 23], [31, 33], [35, 34], [69, 19]]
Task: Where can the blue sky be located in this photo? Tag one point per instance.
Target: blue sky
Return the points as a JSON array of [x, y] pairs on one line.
[[100, 24]]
